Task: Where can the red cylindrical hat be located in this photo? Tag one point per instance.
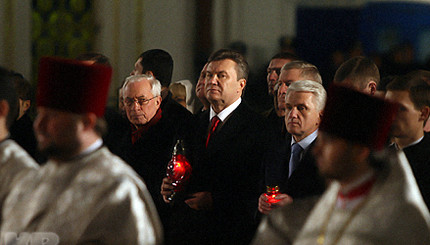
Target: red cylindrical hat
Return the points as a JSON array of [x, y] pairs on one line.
[[358, 117], [72, 85]]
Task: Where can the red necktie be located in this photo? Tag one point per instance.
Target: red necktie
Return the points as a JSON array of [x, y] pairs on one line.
[[214, 123]]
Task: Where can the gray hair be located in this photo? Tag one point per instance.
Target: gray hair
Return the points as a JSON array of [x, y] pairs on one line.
[[308, 71], [155, 84], [320, 95]]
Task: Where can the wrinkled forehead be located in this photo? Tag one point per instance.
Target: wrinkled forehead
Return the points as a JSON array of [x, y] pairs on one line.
[[300, 97]]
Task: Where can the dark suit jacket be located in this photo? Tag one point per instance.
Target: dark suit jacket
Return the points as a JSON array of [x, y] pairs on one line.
[[419, 158], [150, 154], [229, 168], [305, 181], [176, 112]]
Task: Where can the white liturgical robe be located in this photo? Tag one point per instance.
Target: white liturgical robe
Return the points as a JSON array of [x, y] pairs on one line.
[[95, 199], [392, 213], [14, 162]]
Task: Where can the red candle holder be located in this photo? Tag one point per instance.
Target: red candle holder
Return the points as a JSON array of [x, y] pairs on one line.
[[271, 193], [178, 169]]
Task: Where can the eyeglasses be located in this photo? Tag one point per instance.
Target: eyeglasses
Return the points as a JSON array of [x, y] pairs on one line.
[[277, 70], [141, 101]]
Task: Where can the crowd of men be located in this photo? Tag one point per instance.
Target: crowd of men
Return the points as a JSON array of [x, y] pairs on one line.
[[348, 163]]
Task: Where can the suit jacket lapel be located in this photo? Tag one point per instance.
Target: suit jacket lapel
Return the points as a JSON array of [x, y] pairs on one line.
[[230, 128]]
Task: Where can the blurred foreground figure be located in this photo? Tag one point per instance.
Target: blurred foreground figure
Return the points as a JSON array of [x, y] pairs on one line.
[[14, 160], [84, 194], [373, 198]]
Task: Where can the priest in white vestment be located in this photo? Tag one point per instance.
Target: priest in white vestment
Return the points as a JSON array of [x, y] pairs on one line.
[[84, 194], [374, 198]]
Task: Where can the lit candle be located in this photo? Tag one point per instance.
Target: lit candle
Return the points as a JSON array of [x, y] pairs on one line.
[[271, 193]]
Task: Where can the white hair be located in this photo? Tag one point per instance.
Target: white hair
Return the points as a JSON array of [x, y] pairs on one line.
[[155, 84], [320, 95]]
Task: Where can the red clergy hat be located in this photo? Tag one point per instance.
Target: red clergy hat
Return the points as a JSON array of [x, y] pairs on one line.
[[358, 117], [72, 85]]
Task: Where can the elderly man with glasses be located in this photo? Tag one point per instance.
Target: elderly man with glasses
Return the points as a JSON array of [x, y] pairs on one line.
[[148, 144]]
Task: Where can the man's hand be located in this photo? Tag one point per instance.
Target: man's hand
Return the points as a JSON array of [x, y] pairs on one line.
[[166, 189], [200, 201], [264, 207]]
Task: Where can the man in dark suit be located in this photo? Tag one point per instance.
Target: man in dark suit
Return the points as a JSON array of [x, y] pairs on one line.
[[412, 92], [293, 168], [230, 142], [22, 129]]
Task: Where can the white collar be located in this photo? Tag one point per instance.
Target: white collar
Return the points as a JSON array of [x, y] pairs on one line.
[[415, 142], [304, 143], [226, 112], [93, 147]]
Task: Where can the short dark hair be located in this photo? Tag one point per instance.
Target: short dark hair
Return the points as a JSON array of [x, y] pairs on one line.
[[160, 63], [360, 70], [307, 70], [8, 93], [242, 68], [23, 88], [285, 56], [96, 57], [417, 83]]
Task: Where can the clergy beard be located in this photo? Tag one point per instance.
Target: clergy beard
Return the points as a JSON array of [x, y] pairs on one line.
[[341, 167], [61, 152]]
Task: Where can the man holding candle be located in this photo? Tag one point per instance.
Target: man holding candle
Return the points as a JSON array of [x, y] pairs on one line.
[[230, 143], [148, 144], [293, 168]]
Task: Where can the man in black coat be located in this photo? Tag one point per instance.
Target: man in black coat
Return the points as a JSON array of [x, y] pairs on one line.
[[412, 92], [229, 145], [159, 64], [292, 167], [148, 143]]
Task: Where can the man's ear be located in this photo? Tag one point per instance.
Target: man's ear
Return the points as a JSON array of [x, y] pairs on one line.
[[89, 120], [158, 100], [371, 87], [242, 83], [425, 112], [4, 108], [361, 152], [26, 105]]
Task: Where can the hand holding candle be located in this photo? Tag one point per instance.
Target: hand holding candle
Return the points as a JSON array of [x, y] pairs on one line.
[[272, 199], [271, 193], [179, 169]]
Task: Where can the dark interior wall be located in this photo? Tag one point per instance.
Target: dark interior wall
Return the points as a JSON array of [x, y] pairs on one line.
[[381, 28], [321, 31]]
